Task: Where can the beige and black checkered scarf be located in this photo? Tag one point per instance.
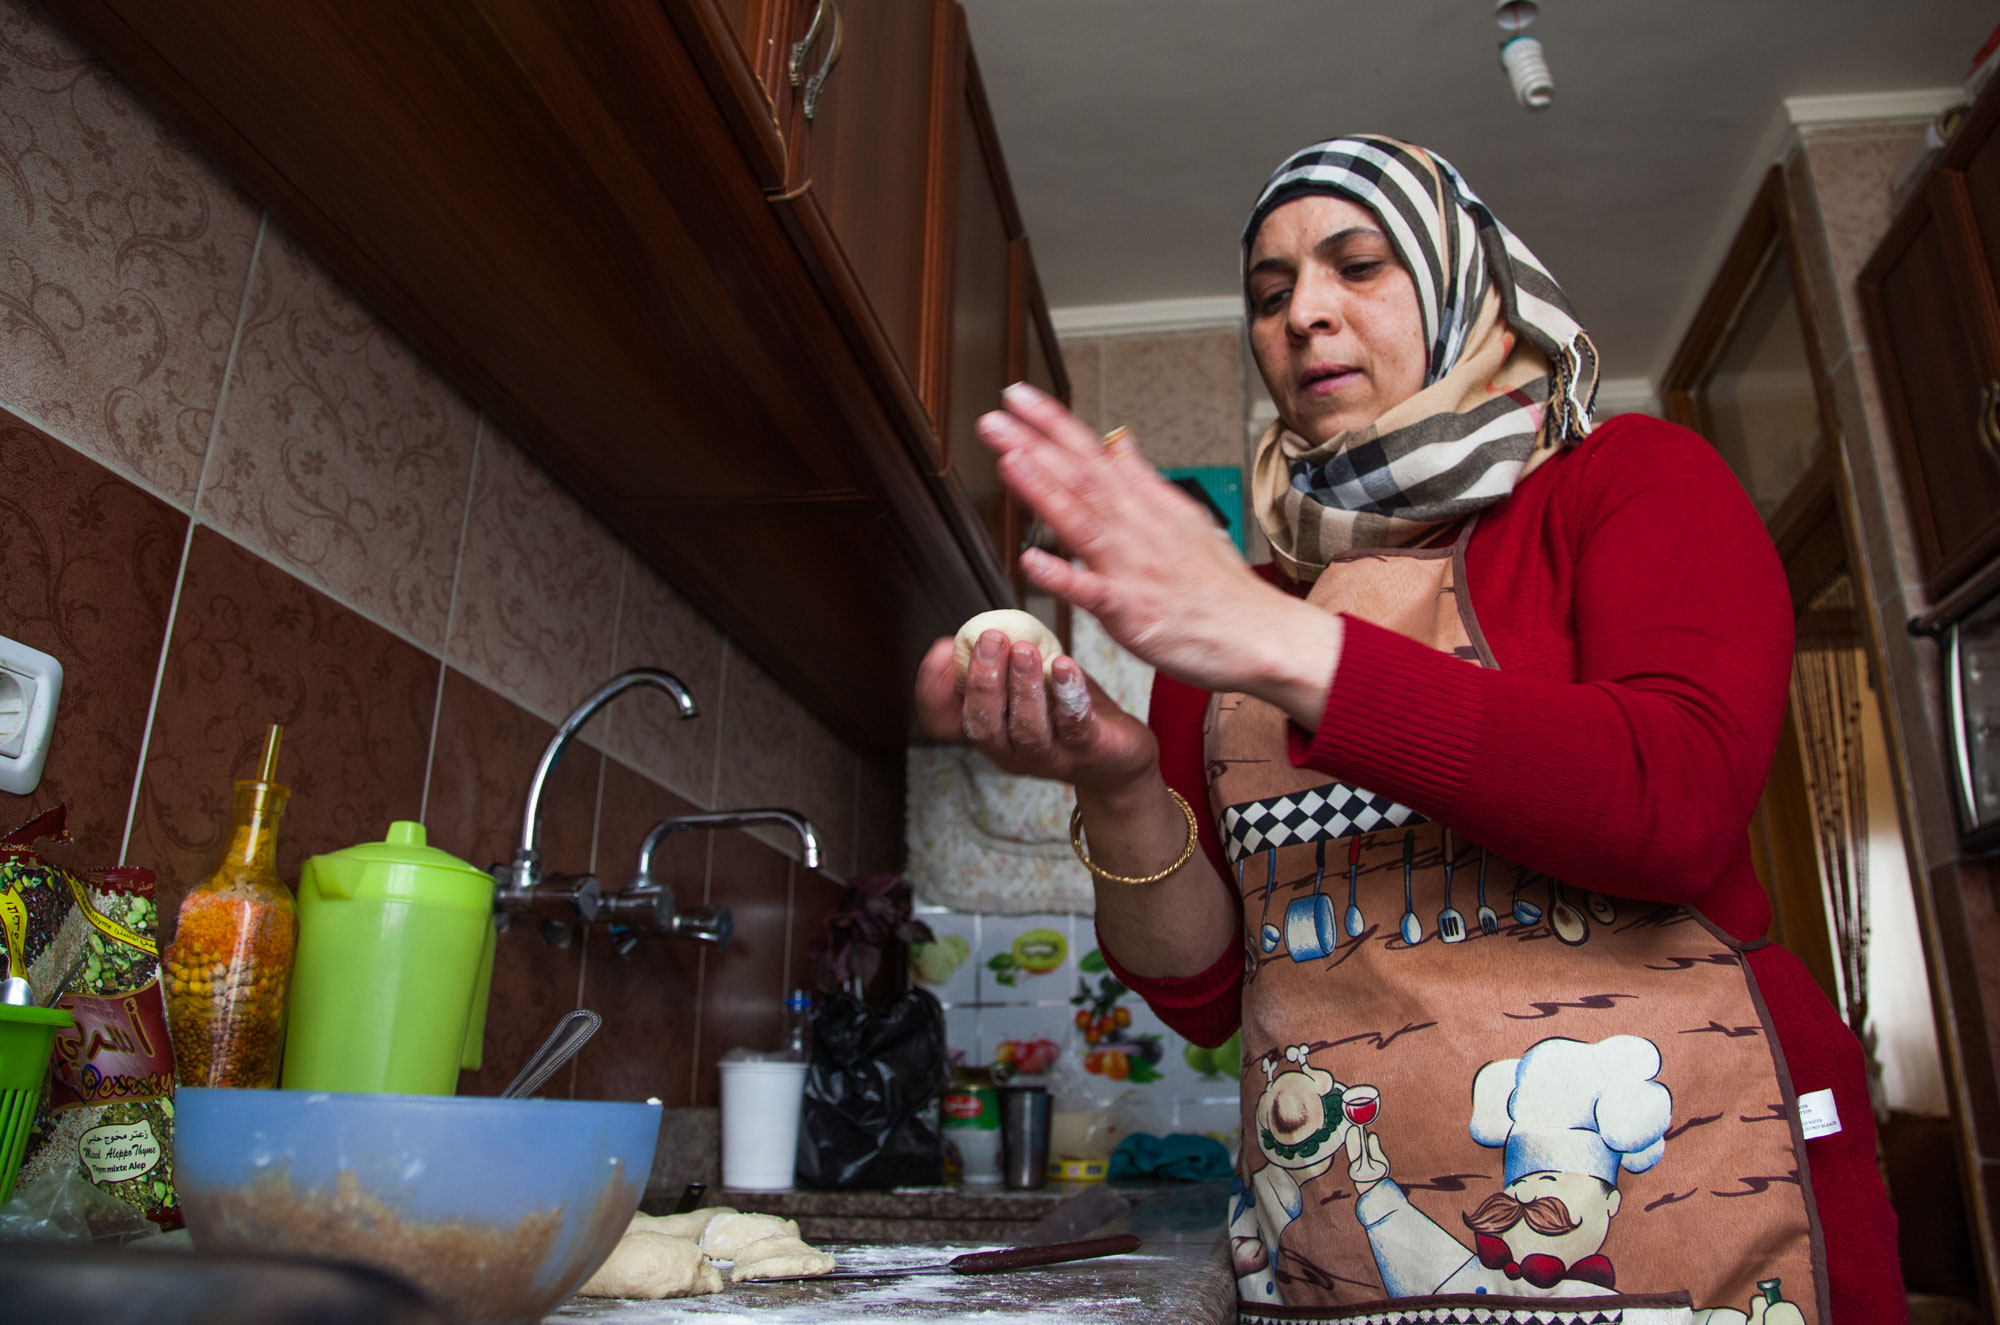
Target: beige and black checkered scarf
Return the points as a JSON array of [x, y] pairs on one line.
[[1511, 375]]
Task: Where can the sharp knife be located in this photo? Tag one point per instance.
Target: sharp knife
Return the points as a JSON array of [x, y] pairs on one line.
[[987, 1262]]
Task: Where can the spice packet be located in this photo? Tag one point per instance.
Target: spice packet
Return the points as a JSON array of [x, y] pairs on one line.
[[87, 942]]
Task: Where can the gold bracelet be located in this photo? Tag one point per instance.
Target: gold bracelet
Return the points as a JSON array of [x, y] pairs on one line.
[[1187, 852]]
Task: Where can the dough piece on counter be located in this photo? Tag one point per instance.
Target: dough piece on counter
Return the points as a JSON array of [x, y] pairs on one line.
[[1017, 626], [729, 1233], [778, 1258], [653, 1265], [690, 1225]]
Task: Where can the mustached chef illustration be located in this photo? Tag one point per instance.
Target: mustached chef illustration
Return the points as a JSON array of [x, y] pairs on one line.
[[1569, 1117], [1305, 1120]]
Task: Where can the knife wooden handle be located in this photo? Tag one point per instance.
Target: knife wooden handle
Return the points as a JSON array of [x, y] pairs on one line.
[[1021, 1258]]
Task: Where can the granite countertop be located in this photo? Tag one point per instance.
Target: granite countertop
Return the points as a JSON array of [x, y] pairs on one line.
[[1180, 1272], [974, 1213]]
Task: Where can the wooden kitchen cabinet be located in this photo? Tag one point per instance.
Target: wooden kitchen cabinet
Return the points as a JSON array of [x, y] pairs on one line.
[[832, 103], [978, 225], [1933, 313], [606, 224], [862, 155], [988, 320]]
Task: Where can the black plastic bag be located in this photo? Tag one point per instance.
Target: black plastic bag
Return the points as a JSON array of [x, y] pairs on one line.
[[870, 1116]]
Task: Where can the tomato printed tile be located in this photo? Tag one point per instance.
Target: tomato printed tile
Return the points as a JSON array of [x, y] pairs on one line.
[[1120, 1040], [1028, 1039]]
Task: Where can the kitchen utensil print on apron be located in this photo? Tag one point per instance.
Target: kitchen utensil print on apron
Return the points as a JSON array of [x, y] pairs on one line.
[[1566, 1109]]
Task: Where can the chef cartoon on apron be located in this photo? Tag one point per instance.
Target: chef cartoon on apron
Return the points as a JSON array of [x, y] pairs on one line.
[[1565, 1106]]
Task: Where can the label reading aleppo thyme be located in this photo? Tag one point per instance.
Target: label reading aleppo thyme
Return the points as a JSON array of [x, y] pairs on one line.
[[88, 944], [115, 1152]]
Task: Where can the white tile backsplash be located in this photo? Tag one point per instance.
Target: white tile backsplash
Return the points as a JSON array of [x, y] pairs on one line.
[[983, 1009]]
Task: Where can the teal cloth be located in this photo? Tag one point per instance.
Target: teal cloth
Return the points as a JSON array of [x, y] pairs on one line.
[[1182, 1157]]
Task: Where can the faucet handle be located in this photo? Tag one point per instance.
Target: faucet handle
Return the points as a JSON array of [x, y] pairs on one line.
[[649, 910], [709, 924], [568, 899]]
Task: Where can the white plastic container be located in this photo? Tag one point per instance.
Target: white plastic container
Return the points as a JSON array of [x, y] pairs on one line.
[[978, 1153], [760, 1121]]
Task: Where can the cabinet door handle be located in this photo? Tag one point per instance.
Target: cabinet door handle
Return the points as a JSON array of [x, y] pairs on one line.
[[817, 82], [1989, 420], [795, 68], [1958, 722]]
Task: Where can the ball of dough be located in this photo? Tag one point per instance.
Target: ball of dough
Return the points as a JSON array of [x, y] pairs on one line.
[[653, 1265], [1017, 626], [778, 1258], [690, 1225], [728, 1233]]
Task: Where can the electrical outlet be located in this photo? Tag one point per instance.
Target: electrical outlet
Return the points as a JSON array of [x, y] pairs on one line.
[[30, 685]]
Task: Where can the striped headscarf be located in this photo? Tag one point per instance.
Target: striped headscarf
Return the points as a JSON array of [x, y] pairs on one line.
[[1510, 378]]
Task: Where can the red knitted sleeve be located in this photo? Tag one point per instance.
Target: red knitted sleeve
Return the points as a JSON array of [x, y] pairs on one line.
[[1639, 777]]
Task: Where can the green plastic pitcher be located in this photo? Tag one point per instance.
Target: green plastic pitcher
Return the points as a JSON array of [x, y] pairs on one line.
[[394, 961]]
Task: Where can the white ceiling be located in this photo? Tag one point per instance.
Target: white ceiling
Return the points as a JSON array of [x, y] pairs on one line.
[[1137, 132]]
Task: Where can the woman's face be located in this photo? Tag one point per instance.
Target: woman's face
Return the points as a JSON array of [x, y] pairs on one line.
[[1334, 320]]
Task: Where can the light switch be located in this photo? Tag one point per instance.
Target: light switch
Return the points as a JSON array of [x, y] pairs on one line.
[[30, 685]]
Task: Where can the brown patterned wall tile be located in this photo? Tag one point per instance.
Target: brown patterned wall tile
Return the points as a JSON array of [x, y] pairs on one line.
[[87, 568], [122, 262], [650, 997], [879, 830], [658, 628], [339, 454], [743, 985], [813, 895], [1084, 358], [1181, 394], [252, 646], [759, 763], [1851, 175], [485, 756], [537, 599], [481, 763], [827, 794]]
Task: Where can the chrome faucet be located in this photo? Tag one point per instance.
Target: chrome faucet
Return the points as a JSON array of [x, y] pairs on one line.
[[646, 906], [569, 899]]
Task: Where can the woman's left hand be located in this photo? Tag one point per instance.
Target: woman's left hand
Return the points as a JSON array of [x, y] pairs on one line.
[[1157, 572]]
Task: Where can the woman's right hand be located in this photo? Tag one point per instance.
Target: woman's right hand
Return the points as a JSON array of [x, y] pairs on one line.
[[1066, 729]]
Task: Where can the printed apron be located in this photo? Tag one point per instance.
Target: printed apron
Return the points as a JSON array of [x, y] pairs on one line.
[[1471, 1092]]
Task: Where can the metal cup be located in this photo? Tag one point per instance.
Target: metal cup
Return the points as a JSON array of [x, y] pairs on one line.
[[1024, 1136]]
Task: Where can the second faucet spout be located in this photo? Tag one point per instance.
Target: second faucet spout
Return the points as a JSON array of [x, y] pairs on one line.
[[642, 877]]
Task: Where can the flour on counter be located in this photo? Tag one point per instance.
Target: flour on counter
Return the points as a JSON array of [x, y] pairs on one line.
[[989, 1300]]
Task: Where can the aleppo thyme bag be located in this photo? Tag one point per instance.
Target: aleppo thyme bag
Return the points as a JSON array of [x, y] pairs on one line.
[[88, 946]]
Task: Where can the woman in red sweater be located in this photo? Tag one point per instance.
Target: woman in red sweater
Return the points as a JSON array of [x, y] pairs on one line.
[[1447, 809]]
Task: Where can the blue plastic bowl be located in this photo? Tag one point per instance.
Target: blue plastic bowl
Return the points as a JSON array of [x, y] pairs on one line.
[[498, 1209]]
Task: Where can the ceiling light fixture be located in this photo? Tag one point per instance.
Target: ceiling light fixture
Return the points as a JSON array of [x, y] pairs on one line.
[[1521, 55]]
